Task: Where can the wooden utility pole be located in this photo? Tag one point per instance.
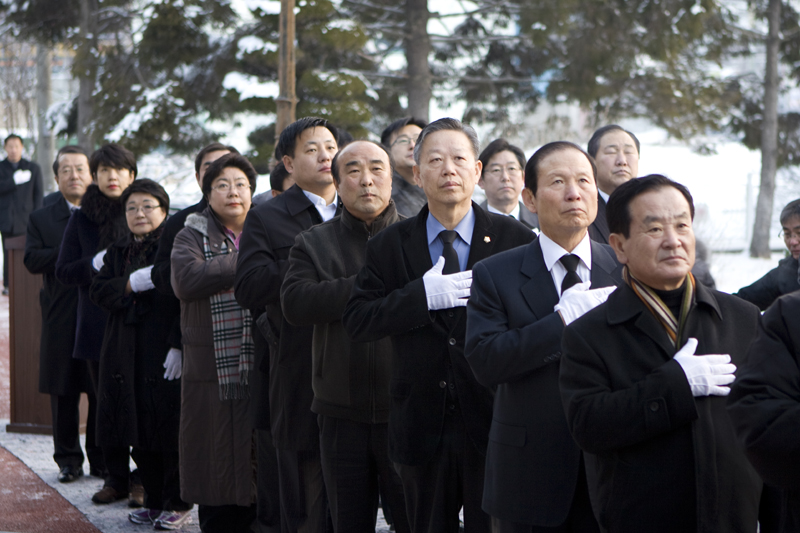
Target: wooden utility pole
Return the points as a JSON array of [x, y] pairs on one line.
[[287, 99], [45, 146], [86, 69], [418, 48]]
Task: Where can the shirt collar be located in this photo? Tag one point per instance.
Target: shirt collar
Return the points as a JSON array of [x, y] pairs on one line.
[[319, 201], [552, 252], [71, 206], [514, 212], [464, 228], [603, 195]]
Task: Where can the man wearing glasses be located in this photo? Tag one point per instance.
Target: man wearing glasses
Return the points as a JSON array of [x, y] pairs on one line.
[[784, 278], [502, 182], [399, 138]]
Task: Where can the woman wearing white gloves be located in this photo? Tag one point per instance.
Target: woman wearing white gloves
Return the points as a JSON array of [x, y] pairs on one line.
[[140, 402]]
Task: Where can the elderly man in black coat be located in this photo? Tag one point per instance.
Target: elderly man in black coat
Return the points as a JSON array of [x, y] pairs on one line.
[[521, 299], [644, 378], [413, 288], [61, 376]]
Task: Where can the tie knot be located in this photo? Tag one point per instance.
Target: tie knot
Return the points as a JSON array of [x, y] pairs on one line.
[[448, 236], [570, 262]]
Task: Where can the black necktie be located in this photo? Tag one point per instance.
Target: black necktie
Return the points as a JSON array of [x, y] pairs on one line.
[[451, 265], [570, 262]]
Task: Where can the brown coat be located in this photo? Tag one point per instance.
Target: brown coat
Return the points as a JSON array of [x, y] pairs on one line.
[[215, 436]]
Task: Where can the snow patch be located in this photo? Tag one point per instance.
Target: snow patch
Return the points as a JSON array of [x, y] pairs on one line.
[[250, 86]]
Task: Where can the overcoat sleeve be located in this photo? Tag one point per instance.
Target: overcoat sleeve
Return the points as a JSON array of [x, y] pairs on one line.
[[38, 186], [500, 354], [74, 265], [764, 403], [107, 290], [194, 278], [161, 273], [763, 292], [306, 298], [260, 271], [38, 259]]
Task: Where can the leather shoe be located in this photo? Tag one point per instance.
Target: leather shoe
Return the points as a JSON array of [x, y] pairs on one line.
[[69, 473], [108, 495], [136, 498], [98, 472]]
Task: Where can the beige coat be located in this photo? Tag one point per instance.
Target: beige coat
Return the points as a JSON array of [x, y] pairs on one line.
[[215, 440]]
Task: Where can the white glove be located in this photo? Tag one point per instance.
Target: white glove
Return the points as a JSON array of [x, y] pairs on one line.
[[707, 375], [173, 364], [140, 279], [446, 291], [97, 261], [579, 299]]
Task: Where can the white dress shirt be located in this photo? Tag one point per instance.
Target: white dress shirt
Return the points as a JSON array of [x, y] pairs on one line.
[[553, 252], [514, 212], [326, 211]]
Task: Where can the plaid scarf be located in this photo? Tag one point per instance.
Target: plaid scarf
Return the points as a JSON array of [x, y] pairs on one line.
[[233, 341], [673, 326]]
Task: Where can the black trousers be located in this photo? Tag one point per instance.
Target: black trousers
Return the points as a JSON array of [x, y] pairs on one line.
[[268, 499], [304, 503], [355, 465], [452, 478], [579, 520], [161, 480], [66, 432], [5, 259], [226, 518]]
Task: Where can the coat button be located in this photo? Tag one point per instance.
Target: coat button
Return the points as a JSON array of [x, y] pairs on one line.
[[443, 384], [654, 406], [452, 342], [452, 407], [452, 386], [451, 314]]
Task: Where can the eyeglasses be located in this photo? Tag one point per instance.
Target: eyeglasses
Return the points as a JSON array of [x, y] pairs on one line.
[[146, 209], [789, 235], [224, 187], [497, 171], [403, 140]]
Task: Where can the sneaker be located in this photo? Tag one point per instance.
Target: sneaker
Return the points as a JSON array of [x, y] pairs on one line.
[[172, 519], [108, 495], [136, 497], [144, 516]]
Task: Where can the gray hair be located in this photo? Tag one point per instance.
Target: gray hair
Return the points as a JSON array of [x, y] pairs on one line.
[[444, 124]]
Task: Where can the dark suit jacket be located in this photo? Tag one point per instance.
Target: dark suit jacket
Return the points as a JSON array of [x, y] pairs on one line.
[[598, 231], [658, 459], [430, 373], [17, 202], [268, 235], [59, 373], [514, 344], [526, 217]]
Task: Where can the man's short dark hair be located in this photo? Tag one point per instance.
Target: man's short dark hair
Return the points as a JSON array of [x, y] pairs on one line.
[[213, 147], [399, 124], [113, 155], [594, 142], [497, 146], [335, 161], [790, 210], [215, 169], [13, 136], [146, 186], [69, 149], [278, 177], [447, 124], [343, 138], [618, 210], [288, 139], [532, 166]]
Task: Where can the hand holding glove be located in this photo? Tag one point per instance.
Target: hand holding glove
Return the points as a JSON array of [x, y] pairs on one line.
[[446, 291], [708, 375], [140, 279], [97, 261], [173, 364], [579, 300]]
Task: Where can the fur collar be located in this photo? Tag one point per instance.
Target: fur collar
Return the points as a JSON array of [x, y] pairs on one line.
[[98, 207], [198, 222]]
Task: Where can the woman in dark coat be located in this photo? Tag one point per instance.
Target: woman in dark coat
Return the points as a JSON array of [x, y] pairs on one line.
[[140, 405], [90, 231]]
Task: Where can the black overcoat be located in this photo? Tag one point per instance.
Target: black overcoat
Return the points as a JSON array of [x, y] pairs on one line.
[[599, 231], [59, 373], [388, 299], [136, 405], [783, 279], [514, 344], [17, 202], [658, 459]]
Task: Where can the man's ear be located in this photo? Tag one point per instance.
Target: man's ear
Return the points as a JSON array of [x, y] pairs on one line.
[[417, 178], [288, 162], [529, 200], [618, 242]]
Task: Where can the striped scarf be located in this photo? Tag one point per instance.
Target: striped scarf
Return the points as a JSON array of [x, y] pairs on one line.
[[673, 326], [233, 341]]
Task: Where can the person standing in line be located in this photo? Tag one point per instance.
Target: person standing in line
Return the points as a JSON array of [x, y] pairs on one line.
[[90, 231], [520, 303], [502, 180], [216, 425], [351, 381], [61, 376], [399, 138], [21, 191], [413, 288]]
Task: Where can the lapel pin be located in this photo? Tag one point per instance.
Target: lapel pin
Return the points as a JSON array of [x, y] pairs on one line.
[[487, 239]]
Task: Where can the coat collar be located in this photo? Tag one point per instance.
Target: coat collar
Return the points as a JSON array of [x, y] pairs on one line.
[[387, 218], [297, 202], [539, 291], [61, 209]]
